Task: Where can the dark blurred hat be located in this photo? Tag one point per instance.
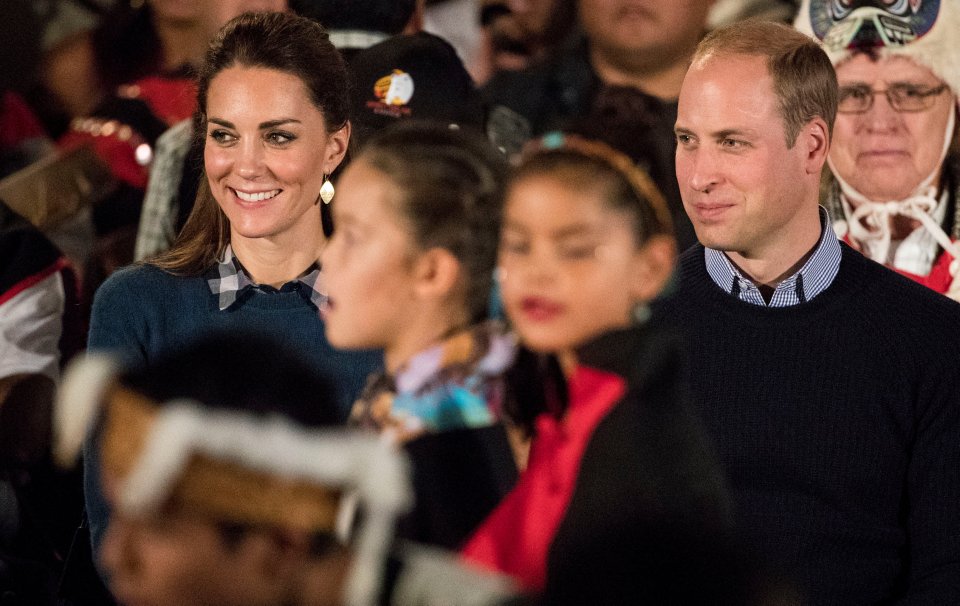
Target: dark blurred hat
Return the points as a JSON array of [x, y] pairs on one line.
[[417, 77], [387, 16]]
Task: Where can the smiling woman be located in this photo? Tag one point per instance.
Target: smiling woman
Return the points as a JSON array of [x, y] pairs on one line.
[[272, 111], [266, 157]]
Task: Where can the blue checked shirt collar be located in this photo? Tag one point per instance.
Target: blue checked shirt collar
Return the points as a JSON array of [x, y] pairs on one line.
[[810, 280], [229, 282]]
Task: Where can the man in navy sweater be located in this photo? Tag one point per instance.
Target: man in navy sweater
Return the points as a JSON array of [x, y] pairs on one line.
[[829, 384]]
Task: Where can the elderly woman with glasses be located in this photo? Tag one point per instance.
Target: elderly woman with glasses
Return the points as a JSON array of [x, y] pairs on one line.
[[895, 157]]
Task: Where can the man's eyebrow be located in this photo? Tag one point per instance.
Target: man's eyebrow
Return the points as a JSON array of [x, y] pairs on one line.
[[913, 83], [720, 134], [734, 132]]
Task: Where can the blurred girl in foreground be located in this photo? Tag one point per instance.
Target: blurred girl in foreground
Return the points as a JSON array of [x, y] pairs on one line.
[[409, 269], [616, 457]]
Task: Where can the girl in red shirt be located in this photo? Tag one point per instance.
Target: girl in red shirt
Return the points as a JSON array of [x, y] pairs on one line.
[[586, 243]]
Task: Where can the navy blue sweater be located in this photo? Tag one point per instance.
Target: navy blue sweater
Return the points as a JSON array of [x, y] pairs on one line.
[[142, 311], [837, 422]]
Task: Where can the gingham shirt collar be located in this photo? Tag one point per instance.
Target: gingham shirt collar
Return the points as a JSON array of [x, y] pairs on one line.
[[229, 282], [810, 280]]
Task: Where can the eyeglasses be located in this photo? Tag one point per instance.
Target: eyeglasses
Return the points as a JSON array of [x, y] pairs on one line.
[[902, 98]]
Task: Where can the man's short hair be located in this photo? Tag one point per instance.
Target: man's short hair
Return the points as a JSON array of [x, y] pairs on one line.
[[803, 77]]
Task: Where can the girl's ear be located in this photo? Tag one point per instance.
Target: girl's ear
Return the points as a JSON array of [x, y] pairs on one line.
[[654, 264], [436, 273]]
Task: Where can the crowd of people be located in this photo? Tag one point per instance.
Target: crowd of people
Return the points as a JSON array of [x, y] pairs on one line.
[[481, 302]]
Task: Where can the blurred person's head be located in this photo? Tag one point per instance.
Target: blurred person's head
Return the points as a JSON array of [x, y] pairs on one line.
[[412, 77], [525, 31], [139, 39], [177, 11], [222, 11], [225, 476], [385, 16], [412, 257], [19, 47], [273, 108], [585, 244], [535, 17], [643, 36]]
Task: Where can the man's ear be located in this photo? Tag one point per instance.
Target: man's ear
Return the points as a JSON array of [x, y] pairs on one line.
[[436, 274], [814, 142], [653, 266]]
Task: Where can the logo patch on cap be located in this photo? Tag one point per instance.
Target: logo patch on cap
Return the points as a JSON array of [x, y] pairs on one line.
[[864, 24], [393, 93]]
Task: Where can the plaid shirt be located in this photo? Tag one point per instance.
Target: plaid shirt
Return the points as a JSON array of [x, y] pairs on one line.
[[230, 282], [809, 281]]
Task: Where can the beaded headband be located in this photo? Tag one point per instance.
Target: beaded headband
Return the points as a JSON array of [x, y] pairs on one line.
[[641, 183]]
